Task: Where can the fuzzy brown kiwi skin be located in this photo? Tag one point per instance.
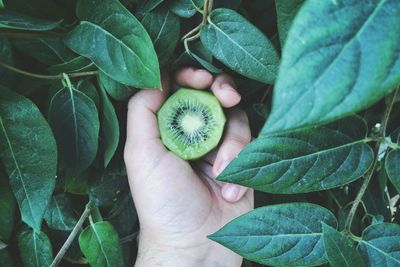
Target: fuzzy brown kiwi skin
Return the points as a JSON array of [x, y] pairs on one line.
[[216, 111]]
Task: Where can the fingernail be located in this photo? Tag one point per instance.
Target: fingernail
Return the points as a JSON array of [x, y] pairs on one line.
[[228, 87], [231, 192]]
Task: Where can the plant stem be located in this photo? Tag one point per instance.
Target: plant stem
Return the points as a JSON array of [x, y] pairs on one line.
[[47, 77], [364, 186], [72, 236]]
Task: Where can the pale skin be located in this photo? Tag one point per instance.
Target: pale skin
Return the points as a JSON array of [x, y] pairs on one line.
[[179, 203]]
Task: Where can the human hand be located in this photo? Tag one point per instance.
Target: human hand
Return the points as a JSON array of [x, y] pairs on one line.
[[179, 203]]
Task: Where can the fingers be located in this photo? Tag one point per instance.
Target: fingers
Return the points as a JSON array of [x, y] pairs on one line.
[[195, 78], [237, 136], [224, 89], [222, 86], [142, 125]]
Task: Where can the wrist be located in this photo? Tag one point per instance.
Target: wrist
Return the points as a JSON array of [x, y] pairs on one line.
[[210, 254]]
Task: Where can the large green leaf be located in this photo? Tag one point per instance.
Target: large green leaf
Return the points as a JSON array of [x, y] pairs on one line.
[[60, 214], [164, 28], [279, 235], [392, 166], [74, 119], [29, 153], [336, 61], [116, 42], [339, 249], [35, 249], [240, 45], [116, 90], [109, 127], [305, 160], [286, 10], [12, 20], [380, 245], [50, 51], [7, 209], [100, 244]]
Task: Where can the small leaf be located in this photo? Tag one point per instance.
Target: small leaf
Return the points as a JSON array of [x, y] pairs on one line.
[[339, 249], [116, 42], [100, 244], [380, 245], [240, 45], [116, 90], [12, 20], [184, 8], [75, 123], [392, 166], [35, 249], [286, 10], [50, 51], [60, 214], [87, 87], [110, 127], [7, 209], [279, 235], [76, 64], [303, 161], [29, 153], [332, 63], [164, 28]]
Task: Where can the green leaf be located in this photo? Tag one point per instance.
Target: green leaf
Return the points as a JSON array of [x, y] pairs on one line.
[[6, 56], [76, 64], [12, 20], [184, 8], [123, 215], [203, 56], [7, 209], [60, 214], [303, 161], [46, 9], [49, 51], [392, 166], [116, 90], [116, 42], [100, 244], [240, 45], [110, 127], [279, 235], [333, 64], [29, 153], [5, 257], [35, 249], [286, 10], [1, 4], [164, 28], [380, 245], [75, 123], [87, 87], [339, 249], [147, 6]]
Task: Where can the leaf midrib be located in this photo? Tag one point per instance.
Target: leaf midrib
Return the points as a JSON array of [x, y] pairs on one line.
[[17, 166], [100, 244]]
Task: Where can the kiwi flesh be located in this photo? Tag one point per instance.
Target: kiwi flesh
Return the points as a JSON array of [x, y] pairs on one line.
[[191, 123]]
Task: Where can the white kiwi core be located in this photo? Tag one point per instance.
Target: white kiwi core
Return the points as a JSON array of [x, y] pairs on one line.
[[192, 122]]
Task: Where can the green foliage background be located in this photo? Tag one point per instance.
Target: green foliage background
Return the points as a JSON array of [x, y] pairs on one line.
[[319, 81]]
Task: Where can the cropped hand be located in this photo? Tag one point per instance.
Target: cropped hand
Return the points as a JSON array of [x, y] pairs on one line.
[[179, 203]]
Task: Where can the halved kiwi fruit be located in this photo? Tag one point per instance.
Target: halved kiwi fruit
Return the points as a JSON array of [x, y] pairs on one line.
[[191, 123]]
